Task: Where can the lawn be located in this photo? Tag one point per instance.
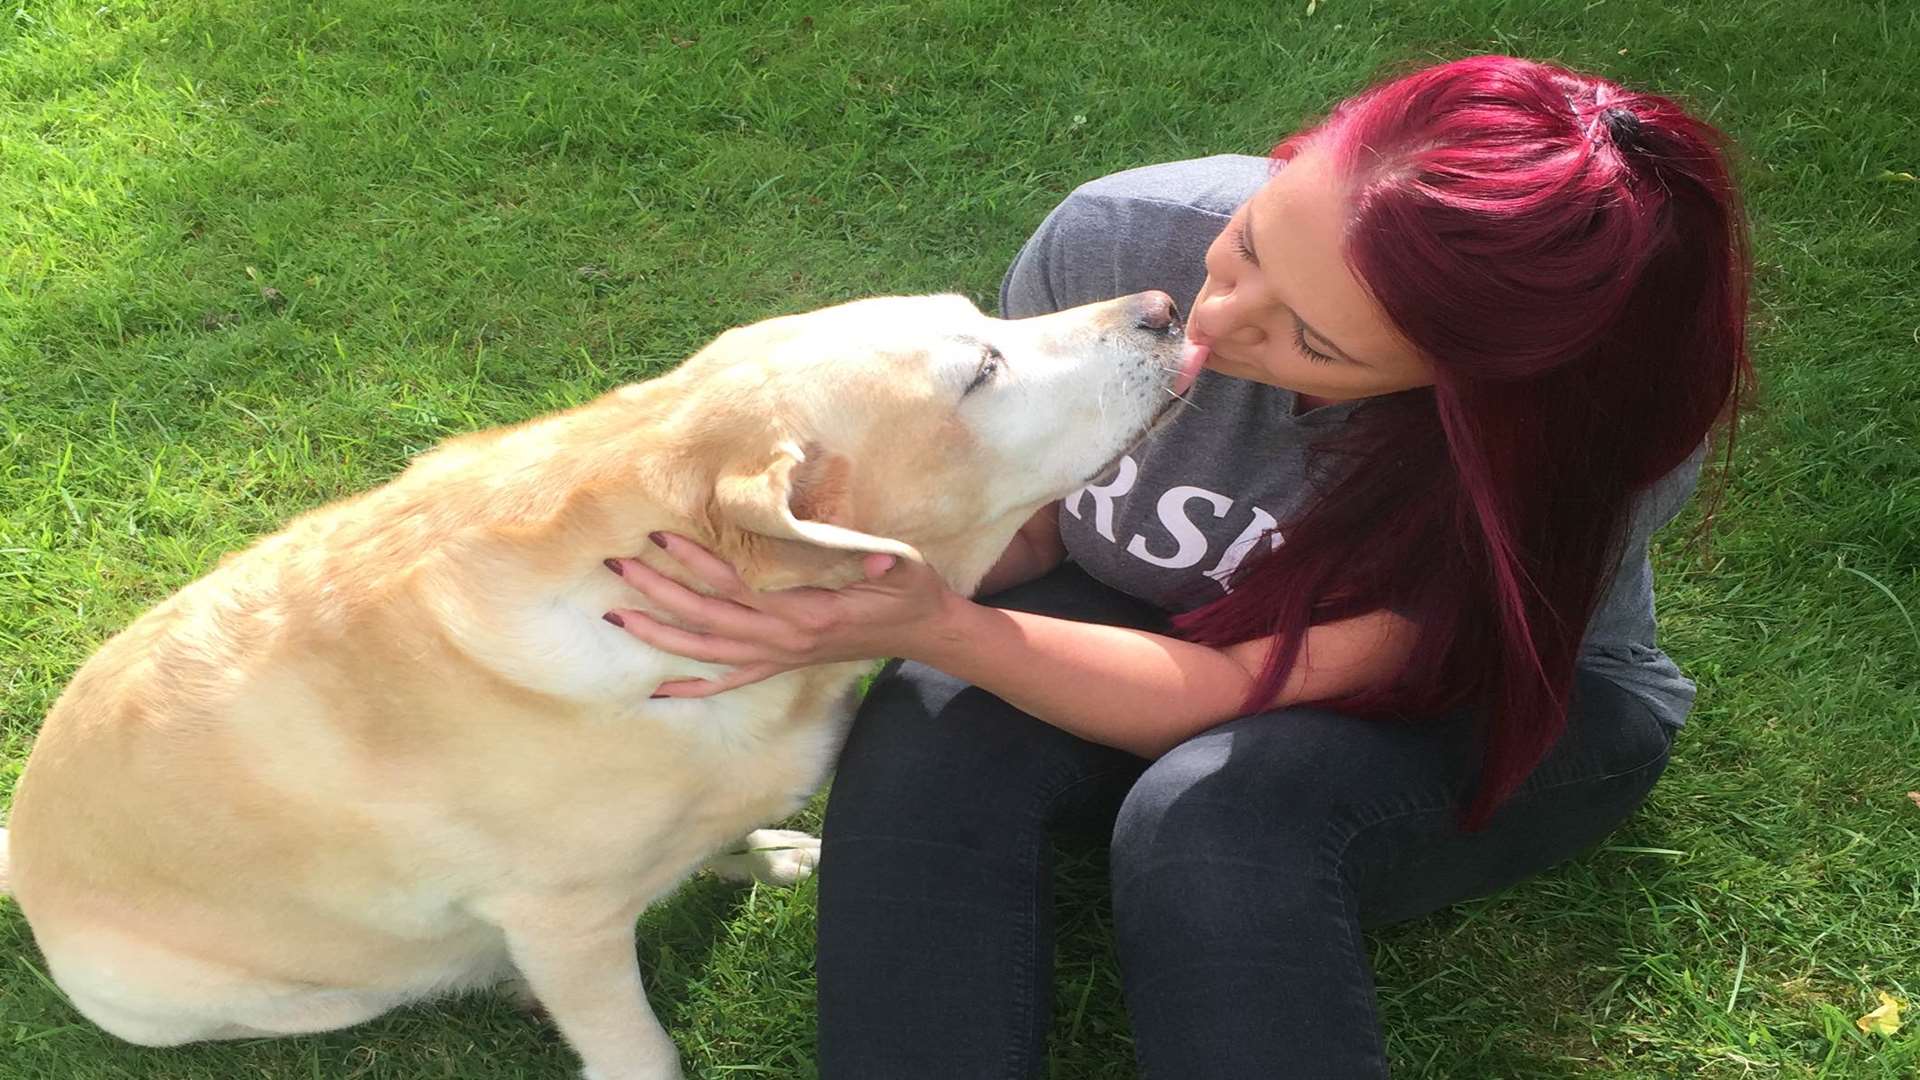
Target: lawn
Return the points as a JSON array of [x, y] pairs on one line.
[[254, 255]]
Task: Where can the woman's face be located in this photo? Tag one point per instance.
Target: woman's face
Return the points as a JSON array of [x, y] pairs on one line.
[[1281, 306]]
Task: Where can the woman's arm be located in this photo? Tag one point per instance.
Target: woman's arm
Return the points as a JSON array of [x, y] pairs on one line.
[[1140, 691], [1135, 690], [1036, 550]]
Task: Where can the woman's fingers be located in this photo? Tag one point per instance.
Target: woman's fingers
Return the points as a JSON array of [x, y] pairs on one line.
[[744, 675], [804, 625], [718, 574], [693, 646], [710, 614]]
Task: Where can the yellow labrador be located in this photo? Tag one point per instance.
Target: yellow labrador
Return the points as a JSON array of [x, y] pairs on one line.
[[392, 751]]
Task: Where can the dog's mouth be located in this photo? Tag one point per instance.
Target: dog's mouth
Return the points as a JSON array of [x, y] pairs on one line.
[[1186, 376], [1181, 377]]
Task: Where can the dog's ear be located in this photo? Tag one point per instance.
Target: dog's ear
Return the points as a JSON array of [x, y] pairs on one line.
[[805, 494]]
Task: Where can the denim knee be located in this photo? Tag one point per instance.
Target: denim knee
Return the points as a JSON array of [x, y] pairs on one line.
[[928, 751], [1248, 779], [1270, 801], [910, 747]]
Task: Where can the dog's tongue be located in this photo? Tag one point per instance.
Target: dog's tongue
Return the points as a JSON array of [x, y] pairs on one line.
[[1192, 359]]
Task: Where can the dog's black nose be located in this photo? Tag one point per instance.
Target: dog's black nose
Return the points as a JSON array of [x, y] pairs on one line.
[[1155, 311]]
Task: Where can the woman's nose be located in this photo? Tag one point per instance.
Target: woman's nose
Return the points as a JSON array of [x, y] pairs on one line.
[[1216, 299]]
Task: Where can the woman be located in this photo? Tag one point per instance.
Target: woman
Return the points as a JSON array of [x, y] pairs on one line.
[[1366, 631]]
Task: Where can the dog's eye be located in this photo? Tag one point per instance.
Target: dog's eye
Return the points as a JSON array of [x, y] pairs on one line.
[[990, 363]]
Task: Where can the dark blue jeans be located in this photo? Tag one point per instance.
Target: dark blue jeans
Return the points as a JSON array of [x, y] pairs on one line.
[[1245, 864]]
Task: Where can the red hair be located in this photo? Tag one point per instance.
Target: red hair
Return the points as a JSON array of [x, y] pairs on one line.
[[1571, 257]]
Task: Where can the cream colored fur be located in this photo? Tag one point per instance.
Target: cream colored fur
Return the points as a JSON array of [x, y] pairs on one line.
[[392, 751]]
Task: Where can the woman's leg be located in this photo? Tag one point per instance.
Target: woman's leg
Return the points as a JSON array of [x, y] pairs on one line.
[[1247, 861], [935, 953]]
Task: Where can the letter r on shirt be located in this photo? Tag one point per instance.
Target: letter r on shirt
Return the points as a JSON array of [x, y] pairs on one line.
[[1104, 495]]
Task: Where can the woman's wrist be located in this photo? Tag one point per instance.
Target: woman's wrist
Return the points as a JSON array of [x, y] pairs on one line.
[[936, 639]]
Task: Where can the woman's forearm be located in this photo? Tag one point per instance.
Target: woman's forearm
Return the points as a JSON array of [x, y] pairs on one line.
[[1019, 564], [1036, 550], [1139, 691]]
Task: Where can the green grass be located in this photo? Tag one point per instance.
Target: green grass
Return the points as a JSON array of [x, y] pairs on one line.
[[470, 213]]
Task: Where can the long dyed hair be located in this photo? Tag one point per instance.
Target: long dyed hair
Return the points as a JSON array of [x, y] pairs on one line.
[[1571, 256]]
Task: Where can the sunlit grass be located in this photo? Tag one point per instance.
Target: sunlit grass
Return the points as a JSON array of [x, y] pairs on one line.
[[254, 255]]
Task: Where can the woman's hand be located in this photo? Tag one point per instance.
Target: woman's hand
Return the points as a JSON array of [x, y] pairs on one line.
[[765, 633]]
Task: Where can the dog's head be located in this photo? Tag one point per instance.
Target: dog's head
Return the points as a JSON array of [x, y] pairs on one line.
[[918, 426]]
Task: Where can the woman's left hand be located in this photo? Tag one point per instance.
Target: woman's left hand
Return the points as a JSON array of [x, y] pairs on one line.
[[765, 633]]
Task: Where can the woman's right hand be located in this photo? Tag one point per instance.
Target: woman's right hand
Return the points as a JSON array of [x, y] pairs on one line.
[[765, 633]]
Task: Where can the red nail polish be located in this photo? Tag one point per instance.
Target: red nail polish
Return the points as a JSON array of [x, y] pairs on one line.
[[659, 539], [614, 619], [611, 564]]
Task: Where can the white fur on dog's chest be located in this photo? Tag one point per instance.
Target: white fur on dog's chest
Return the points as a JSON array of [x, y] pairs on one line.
[[663, 783], [557, 643]]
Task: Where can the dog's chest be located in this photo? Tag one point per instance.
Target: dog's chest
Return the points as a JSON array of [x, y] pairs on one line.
[[666, 783]]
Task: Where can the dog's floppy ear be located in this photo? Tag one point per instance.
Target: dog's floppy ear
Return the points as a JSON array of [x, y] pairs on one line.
[[804, 494]]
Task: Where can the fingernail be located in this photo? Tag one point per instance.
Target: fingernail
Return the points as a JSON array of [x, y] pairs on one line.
[[611, 564], [659, 539], [655, 697], [614, 619]]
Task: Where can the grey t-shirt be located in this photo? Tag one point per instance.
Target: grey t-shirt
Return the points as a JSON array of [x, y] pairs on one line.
[[1179, 512]]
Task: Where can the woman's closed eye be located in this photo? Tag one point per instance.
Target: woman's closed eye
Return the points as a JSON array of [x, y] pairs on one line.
[[1237, 237], [1311, 353], [1240, 246]]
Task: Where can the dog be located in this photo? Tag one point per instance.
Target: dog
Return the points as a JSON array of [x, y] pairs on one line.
[[392, 751]]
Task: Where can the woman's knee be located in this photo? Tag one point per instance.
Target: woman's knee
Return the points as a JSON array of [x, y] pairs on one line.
[[1226, 795], [1281, 788], [909, 743], [1183, 803], [1224, 844], [914, 715], [928, 747], [923, 735], [1265, 771]]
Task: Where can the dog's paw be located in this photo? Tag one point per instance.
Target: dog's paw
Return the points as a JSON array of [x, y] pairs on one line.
[[773, 856]]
